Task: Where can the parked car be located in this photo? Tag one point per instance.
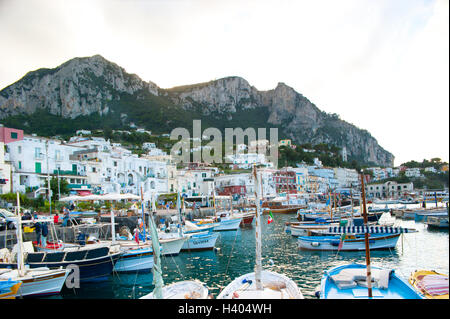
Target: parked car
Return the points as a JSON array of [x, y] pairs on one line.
[[2, 223], [9, 217]]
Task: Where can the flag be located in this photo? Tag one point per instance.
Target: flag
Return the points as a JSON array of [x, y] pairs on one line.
[[270, 218], [341, 241]]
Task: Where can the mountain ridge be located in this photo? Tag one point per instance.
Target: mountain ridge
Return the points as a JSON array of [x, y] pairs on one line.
[[85, 86]]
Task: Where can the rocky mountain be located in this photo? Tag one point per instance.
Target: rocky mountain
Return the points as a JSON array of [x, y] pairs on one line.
[[101, 93]]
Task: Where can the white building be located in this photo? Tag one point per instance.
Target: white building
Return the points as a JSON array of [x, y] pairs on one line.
[[34, 159], [389, 190], [247, 160], [346, 177], [413, 172], [5, 171], [430, 169]]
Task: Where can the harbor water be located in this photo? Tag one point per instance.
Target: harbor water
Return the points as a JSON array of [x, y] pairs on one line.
[[235, 256]]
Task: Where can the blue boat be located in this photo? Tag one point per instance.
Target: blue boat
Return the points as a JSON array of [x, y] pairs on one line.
[[349, 282]]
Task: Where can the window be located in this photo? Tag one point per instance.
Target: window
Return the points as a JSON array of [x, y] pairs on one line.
[[20, 165], [19, 149], [14, 135], [37, 152], [115, 163], [37, 167]]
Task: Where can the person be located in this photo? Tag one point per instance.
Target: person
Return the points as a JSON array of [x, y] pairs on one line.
[[56, 218], [81, 238], [38, 229], [44, 234], [66, 217]]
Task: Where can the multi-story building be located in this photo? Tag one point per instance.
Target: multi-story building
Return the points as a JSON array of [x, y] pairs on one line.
[[346, 177], [413, 172], [36, 159], [247, 160], [5, 172], [389, 190]]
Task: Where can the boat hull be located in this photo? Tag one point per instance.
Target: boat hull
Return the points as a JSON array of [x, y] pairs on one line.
[[200, 242], [331, 243], [132, 260], [228, 224]]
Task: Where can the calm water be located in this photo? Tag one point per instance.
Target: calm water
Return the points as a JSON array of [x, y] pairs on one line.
[[427, 249]]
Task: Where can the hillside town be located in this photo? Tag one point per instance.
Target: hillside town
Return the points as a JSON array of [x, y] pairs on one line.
[[94, 165]]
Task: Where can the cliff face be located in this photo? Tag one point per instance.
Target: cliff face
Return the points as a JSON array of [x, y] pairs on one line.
[[83, 86]]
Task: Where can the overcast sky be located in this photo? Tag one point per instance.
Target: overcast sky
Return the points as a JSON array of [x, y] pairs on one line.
[[382, 65]]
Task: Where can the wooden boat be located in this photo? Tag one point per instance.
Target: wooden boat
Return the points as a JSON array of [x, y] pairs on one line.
[[260, 284], [274, 286], [9, 288], [350, 242], [247, 219], [431, 284], [95, 262], [352, 238], [281, 206], [349, 282]]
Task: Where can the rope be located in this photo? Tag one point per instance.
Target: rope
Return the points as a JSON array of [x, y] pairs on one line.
[[231, 252]]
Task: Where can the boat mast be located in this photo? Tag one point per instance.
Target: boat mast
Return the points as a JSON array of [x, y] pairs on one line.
[[179, 212], [20, 263], [366, 240], [156, 269], [258, 264], [143, 215]]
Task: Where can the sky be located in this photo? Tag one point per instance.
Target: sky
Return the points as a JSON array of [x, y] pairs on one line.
[[382, 65]]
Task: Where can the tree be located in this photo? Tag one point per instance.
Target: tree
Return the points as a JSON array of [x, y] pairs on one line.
[[63, 187]]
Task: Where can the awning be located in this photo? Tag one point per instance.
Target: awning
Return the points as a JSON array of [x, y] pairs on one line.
[[370, 230], [83, 192]]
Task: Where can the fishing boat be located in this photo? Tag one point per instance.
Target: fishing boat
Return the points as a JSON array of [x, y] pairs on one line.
[[191, 289], [349, 242], [200, 241], [261, 284], [431, 284], [225, 219], [247, 218], [350, 282], [9, 288]]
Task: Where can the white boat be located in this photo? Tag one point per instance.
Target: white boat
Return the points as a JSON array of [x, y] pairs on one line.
[[200, 241], [189, 289], [275, 286], [37, 281], [260, 284]]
